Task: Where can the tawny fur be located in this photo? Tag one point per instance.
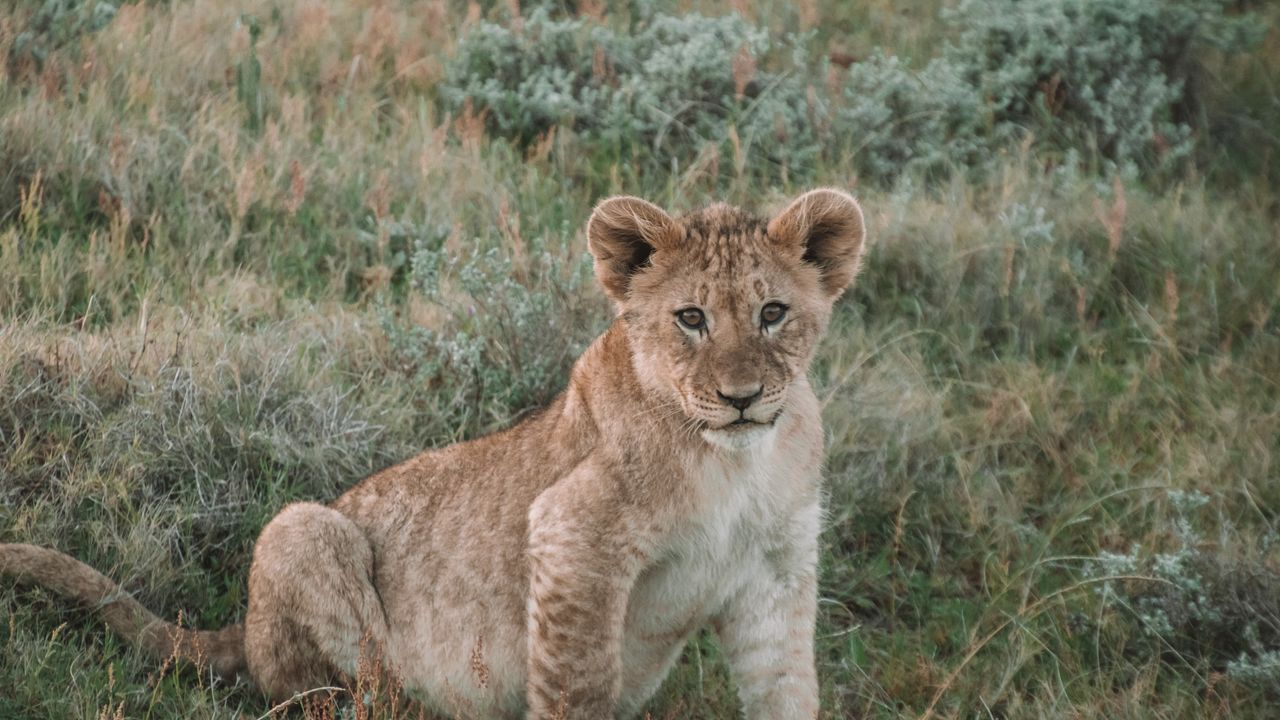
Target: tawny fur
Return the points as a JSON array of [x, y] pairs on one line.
[[557, 569], [221, 650]]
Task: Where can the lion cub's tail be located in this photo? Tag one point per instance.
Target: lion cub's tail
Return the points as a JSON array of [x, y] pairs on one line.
[[221, 650]]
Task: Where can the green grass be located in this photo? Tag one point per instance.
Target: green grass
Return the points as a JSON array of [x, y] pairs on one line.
[[211, 304]]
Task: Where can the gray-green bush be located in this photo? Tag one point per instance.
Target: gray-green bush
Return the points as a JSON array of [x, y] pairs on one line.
[[1197, 602], [56, 23], [506, 329], [1114, 75], [1113, 79], [1108, 82], [898, 121], [679, 85]]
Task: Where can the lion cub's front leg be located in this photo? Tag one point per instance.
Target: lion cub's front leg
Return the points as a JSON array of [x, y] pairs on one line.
[[766, 629], [582, 567]]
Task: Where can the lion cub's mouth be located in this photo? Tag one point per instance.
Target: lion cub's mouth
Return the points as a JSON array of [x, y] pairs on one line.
[[744, 423], [742, 433]]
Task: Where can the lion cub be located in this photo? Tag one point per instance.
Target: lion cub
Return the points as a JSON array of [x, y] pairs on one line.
[[557, 569]]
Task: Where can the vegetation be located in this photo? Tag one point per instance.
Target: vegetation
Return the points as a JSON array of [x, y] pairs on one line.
[[251, 252]]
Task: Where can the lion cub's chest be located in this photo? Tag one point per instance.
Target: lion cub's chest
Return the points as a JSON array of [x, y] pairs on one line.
[[739, 509]]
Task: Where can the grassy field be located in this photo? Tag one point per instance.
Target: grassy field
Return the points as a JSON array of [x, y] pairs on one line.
[[249, 253]]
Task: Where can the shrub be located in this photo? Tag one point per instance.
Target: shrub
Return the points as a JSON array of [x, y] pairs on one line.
[[1201, 603], [506, 326], [57, 23], [898, 120], [676, 86], [1114, 76], [1111, 74]]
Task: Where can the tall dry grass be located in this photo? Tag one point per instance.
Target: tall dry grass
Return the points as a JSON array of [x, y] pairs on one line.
[[244, 259]]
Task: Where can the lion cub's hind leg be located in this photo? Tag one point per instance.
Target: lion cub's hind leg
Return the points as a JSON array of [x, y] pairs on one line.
[[312, 604]]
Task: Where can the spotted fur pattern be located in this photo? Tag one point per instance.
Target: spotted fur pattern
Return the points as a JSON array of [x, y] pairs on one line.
[[557, 569]]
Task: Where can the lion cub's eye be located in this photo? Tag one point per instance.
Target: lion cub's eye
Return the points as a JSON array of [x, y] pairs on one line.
[[772, 314], [691, 318]]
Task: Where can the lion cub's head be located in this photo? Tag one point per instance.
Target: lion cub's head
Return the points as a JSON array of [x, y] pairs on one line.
[[723, 309]]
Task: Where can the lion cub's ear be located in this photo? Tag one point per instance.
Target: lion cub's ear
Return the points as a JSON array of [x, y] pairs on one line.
[[826, 227], [621, 235]]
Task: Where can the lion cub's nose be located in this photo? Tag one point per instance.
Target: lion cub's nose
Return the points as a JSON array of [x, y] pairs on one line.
[[740, 399]]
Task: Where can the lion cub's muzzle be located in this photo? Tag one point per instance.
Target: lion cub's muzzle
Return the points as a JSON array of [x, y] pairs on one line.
[[740, 407]]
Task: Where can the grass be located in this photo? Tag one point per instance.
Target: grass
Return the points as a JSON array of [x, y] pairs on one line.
[[241, 266]]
